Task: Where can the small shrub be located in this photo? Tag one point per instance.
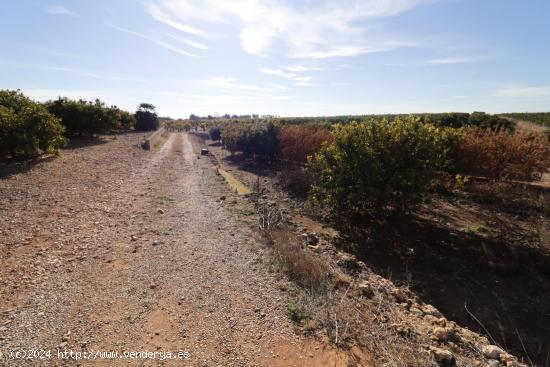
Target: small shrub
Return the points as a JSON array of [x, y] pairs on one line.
[[480, 228], [501, 155], [27, 129], [461, 181], [270, 217], [379, 166], [296, 143], [297, 313], [215, 133]]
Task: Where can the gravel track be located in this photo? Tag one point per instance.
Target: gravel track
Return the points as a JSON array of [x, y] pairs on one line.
[[112, 248]]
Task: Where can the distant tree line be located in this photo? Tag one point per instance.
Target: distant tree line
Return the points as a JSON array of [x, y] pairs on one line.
[[80, 117], [450, 119], [383, 164]]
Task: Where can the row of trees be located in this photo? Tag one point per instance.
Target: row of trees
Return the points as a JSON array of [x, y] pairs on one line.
[[382, 165], [451, 119], [475, 119], [80, 117], [28, 128]]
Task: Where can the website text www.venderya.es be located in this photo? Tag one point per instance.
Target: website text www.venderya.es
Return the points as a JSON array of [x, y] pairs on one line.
[[68, 354]]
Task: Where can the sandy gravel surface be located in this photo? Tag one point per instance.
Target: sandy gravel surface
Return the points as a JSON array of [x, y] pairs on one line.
[[112, 248]]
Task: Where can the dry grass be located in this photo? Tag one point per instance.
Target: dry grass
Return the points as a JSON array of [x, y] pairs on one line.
[[376, 330], [376, 326], [347, 320], [271, 218], [301, 265]]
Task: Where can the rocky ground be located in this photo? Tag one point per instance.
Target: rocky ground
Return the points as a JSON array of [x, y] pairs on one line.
[[111, 248], [482, 264]]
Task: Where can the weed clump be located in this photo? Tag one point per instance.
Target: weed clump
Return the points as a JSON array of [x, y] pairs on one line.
[[297, 312], [300, 264]]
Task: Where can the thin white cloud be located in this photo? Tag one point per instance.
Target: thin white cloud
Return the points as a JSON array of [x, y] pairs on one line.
[[83, 73], [276, 86], [299, 80], [454, 60], [317, 30], [154, 40], [162, 17], [524, 92], [338, 51], [59, 10], [301, 68], [43, 50], [188, 42], [229, 83], [278, 72], [234, 85], [305, 83]]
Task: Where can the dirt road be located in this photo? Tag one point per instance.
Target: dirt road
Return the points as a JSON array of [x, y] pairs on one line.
[[111, 248]]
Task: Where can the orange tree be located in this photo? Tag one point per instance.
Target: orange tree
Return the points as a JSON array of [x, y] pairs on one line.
[[375, 167]]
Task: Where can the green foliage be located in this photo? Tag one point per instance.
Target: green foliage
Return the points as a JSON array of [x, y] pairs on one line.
[[379, 166], [86, 117], [215, 133], [461, 181], [453, 119], [297, 313], [127, 120], [27, 129], [146, 118], [146, 107], [175, 125], [485, 121], [253, 140]]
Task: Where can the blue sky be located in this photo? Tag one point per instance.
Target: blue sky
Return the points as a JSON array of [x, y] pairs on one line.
[[282, 57]]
